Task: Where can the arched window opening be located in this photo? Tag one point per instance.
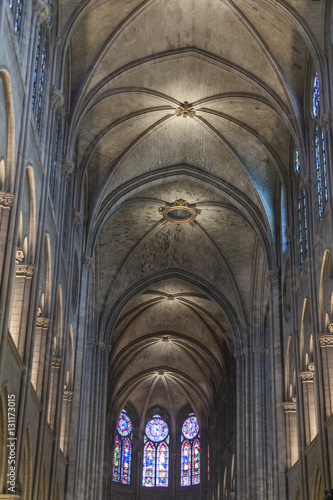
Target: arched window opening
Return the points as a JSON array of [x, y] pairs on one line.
[[320, 150], [123, 450], [16, 6], [156, 453], [53, 181], [190, 452], [283, 221], [38, 88], [301, 213]]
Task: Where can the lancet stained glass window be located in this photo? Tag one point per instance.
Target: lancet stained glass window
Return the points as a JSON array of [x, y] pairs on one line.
[[156, 454], [190, 451], [39, 75], [315, 96], [123, 450], [16, 6]]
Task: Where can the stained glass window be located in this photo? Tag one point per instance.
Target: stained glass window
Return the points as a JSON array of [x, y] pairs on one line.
[[55, 161], [302, 225], [39, 75], [156, 454], [315, 96], [190, 452], [297, 162], [123, 450], [16, 6]]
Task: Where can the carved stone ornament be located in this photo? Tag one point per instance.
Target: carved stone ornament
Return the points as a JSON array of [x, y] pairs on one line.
[[43, 322], [68, 395], [77, 218], [289, 406], [326, 340], [41, 10], [325, 121], [305, 184], [272, 276], [86, 262], [25, 270], [56, 98], [19, 256], [185, 109], [330, 327], [56, 362], [67, 167], [179, 212], [311, 367], [6, 200], [289, 234], [306, 376]]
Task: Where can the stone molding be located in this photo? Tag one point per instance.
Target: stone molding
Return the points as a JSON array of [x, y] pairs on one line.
[[330, 327], [325, 121], [305, 184], [9, 496], [68, 395], [41, 10], [43, 322], [311, 367], [25, 270], [185, 109], [19, 256], [86, 262], [77, 218], [289, 407], [306, 376], [56, 362], [67, 167], [254, 351], [289, 234], [272, 276], [6, 200], [100, 345], [56, 98], [325, 339]]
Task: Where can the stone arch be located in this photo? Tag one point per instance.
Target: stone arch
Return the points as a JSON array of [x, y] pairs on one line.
[[326, 292], [8, 132], [26, 478], [48, 274], [305, 335], [32, 213], [318, 486]]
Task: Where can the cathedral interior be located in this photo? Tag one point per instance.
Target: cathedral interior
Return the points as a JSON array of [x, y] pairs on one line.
[[166, 239]]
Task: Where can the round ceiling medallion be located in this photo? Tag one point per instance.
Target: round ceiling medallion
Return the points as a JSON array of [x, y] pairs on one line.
[[179, 212]]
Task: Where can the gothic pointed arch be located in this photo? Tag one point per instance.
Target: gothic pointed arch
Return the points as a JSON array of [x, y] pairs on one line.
[[122, 451]]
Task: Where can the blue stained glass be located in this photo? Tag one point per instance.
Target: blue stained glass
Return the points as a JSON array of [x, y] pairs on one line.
[[156, 429], [319, 175], [297, 162], [34, 89], [190, 452], [323, 148], [10, 4], [124, 425], [190, 427], [162, 465], [126, 462], [18, 17], [305, 225], [148, 478], [315, 96], [123, 450], [299, 204]]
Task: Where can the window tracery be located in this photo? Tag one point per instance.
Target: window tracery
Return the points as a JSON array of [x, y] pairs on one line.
[[302, 214], [190, 452], [39, 82], [156, 453], [123, 450], [16, 6]]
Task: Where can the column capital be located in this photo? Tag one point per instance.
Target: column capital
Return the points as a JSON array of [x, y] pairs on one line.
[[325, 120], [25, 270], [68, 395], [272, 276], [56, 362], [325, 339], [67, 167], [77, 218], [56, 98], [86, 261], [289, 234], [41, 10], [289, 407], [6, 200], [19, 255], [42, 322], [306, 377]]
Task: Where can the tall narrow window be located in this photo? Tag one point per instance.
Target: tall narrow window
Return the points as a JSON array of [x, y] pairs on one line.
[[302, 214], [38, 88], [16, 6], [320, 150], [156, 454], [190, 452], [55, 161], [123, 450]]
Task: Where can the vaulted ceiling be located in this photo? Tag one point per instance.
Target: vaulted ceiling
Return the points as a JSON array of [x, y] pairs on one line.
[[241, 64]]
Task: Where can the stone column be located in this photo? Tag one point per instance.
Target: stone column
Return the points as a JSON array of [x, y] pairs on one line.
[[54, 382], [20, 302], [326, 348], [6, 202], [65, 421], [309, 404], [39, 353], [290, 418]]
